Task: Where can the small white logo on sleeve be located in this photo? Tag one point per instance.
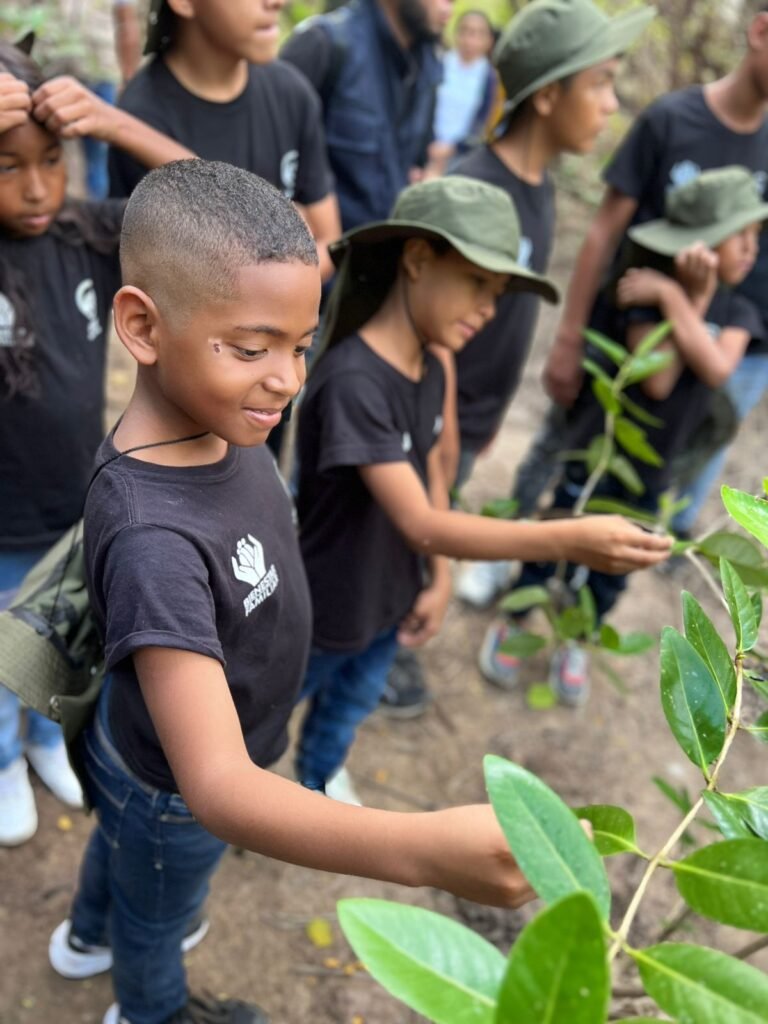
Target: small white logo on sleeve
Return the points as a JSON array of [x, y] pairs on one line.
[[438, 426], [249, 566], [85, 300], [525, 252], [289, 169], [407, 442], [7, 322]]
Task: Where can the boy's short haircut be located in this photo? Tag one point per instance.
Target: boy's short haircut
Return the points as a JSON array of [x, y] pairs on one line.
[[190, 225]]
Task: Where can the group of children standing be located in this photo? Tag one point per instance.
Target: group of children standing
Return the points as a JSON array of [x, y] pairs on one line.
[[216, 616]]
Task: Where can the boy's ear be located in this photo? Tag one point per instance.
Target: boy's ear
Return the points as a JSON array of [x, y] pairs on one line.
[[416, 253], [757, 32], [137, 320], [182, 8], [545, 99]]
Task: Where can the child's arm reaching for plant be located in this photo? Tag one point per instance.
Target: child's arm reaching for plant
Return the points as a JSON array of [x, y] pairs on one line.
[[15, 102], [606, 543], [69, 110]]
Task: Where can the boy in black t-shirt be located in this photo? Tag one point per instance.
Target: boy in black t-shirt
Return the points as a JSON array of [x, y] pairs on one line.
[[703, 248], [372, 498], [195, 577]]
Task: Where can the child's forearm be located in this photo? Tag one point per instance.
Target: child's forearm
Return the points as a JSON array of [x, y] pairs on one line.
[[691, 336], [145, 144]]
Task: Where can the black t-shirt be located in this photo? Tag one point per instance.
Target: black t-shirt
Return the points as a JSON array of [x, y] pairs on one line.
[[201, 559], [489, 368], [669, 144], [49, 436], [685, 407], [358, 410], [274, 128]]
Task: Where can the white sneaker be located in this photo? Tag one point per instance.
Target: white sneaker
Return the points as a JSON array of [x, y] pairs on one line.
[[52, 766], [112, 1016], [18, 813], [340, 788], [480, 583]]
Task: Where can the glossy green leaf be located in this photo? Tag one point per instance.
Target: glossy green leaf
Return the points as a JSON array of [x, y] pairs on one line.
[[626, 473], [547, 841], [703, 986], [727, 882], [620, 508], [540, 697], [640, 1020], [679, 797], [728, 816], [743, 554], [691, 699], [501, 508], [524, 597], [605, 396], [739, 605], [558, 968], [757, 604], [436, 966], [653, 338], [523, 645], [640, 414], [754, 804], [615, 352], [599, 449], [613, 828], [634, 440], [748, 511], [645, 366], [703, 636], [595, 370]]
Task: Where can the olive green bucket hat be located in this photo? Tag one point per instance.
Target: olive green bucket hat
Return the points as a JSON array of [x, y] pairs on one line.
[[551, 39], [709, 209], [478, 220], [160, 24]]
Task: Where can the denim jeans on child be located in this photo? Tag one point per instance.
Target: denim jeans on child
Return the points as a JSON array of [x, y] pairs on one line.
[[41, 731], [144, 877], [343, 689]]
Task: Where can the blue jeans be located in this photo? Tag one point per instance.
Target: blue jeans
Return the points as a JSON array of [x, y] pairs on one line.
[[745, 388], [343, 690], [14, 566], [144, 877], [96, 172]]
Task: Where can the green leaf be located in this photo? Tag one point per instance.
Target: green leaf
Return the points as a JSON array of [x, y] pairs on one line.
[[523, 645], [746, 558], [691, 699], [633, 439], [547, 841], [728, 816], [588, 610], [540, 697], [630, 643], [558, 968], [501, 508], [609, 638], [621, 508], [613, 828], [640, 414], [653, 338], [524, 597], [703, 636], [615, 352], [739, 605], [748, 511], [760, 729], [599, 449], [433, 964], [571, 624], [679, 797], [639, 1020], [757, 604], [645, 366], [758, 683], [703, 986], [727, 882], [595, 370], [626, 473], [606, 397], [754, 803]]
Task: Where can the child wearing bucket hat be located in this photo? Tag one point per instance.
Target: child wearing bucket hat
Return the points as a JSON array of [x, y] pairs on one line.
[[372, 500], [557, 60], [685, 268]]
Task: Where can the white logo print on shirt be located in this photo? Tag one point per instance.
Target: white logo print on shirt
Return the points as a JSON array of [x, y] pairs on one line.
[[7, 322], [289, 169], [85, 300], [682, 173], [249, 567], [407, 442], [524, 253]]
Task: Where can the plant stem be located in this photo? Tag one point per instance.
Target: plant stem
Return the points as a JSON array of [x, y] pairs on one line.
[[657, 859], [696, 562], [751, 948]]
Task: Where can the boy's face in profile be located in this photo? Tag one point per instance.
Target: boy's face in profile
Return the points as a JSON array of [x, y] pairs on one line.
[[232, 366], [737, 254], [246, 29], [451, 299], [581, 109]]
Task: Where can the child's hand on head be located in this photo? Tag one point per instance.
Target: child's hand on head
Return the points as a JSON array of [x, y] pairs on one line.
[[15, 102], [68, 109], [696, 269], [614, 545], [641, 286]]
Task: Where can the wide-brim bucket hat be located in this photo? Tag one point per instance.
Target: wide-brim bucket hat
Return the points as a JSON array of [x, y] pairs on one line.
[[709, 209], [478, 220], [551, 39], [160, 24]]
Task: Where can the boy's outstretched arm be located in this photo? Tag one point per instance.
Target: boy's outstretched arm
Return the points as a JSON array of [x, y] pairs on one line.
[[461, 849], [606, 543], [562, 371], [68, 109]]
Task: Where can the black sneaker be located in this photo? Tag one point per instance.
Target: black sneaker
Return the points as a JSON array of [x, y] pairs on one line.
[[406, 694], [207, 1010]]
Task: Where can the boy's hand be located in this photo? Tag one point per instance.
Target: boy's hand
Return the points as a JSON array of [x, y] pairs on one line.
[[696, 269], [641, 286], [68, 109], [563, 372], [424, 620], [15, 102], [612, 544]]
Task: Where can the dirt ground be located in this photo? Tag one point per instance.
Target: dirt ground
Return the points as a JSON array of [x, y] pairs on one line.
[[607, 752]]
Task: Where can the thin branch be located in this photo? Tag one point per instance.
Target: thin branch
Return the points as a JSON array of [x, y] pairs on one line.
[[751, 948], [695, 561]]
